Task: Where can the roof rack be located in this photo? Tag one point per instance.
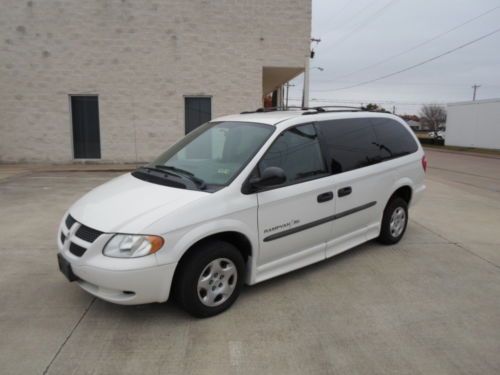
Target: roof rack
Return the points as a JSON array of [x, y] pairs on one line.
[[272, 109], [336, 108], [315, 110]]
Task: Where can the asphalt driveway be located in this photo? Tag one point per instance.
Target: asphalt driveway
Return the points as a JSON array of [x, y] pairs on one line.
[[429, 305]]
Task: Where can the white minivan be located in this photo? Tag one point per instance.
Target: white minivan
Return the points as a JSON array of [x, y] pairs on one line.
[[242, 199]]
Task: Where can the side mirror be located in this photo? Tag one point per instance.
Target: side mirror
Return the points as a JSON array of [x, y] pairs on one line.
[[271, 176]]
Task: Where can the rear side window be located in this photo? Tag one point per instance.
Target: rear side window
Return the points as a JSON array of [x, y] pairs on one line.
[[350, 144], [297, 152], [393, 138]]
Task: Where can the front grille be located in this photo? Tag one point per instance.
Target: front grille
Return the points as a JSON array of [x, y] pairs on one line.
[[70, 221], [76, 250], [83, 232], [87, 234]]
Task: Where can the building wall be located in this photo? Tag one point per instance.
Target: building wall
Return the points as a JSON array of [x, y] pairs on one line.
[[141, 57], [474, 124]]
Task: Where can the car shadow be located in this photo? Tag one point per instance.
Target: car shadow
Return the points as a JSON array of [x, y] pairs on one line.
[[170, 312]]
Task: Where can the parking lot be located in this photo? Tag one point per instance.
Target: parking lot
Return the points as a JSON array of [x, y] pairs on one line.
[[429, 305]]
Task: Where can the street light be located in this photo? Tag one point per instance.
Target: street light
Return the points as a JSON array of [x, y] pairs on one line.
[[318, 67]]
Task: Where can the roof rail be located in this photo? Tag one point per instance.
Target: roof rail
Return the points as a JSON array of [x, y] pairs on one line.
[[272, 109], [340, 108], [315, 110], [335, 108]]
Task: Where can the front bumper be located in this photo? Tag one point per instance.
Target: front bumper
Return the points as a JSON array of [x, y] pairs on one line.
[[125, 287], [127, 281]]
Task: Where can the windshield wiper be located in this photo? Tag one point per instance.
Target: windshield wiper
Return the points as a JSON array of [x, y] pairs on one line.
[[169, 168], [160, 170], [172, 168], [164, 175]]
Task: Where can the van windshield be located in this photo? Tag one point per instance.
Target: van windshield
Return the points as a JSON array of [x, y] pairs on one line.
[[214, 153]]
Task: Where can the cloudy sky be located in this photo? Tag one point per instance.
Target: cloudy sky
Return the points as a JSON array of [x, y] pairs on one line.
[[362, 40]]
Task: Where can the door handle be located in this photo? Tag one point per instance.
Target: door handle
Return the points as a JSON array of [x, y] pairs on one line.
[[325, 197], [344, 191]]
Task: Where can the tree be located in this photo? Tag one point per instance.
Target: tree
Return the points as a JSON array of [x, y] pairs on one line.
[[408, 117], [432, 116], [374, 107]]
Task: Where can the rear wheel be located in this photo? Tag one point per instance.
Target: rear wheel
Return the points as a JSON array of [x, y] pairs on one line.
[[394, 221], [210, 279]]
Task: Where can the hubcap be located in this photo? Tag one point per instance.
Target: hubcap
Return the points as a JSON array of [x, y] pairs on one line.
[[398, 222], [217, 282]]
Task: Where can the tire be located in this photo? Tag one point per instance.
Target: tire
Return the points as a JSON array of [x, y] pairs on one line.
[[396, 212], [210, 279]]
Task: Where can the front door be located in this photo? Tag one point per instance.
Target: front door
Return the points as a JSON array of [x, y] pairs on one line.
[[292, 230]]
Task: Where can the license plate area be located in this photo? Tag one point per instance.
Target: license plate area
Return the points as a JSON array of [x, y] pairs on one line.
[[65, 268]]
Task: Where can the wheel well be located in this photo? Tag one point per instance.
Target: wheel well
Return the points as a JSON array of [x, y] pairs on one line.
[[403, 192], [240, 241]]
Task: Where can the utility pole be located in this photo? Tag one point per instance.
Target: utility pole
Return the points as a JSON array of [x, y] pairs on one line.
[[305, 94], [287, 85], [475, 87], [393, 109]]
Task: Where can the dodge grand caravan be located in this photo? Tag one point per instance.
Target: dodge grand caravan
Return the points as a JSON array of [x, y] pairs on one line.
[[242, 199]]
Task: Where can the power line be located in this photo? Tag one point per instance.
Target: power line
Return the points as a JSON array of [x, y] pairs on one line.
[[427, 41], [354, 16], [423, 84], [341, 10], [371, 18], [415, 65]]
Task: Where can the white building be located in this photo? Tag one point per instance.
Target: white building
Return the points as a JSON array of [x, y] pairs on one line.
[[121, 80], [474, 124]]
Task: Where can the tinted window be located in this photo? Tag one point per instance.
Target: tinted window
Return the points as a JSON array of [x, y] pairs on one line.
[[297, 152], [393, 138], [350, 143]]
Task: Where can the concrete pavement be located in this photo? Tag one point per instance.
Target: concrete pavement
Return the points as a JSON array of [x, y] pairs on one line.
[[429, 305]]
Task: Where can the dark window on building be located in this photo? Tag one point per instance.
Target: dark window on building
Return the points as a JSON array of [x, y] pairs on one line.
[[393, 138], [198, 110], [297, 152], [350, 144], [86, 137]]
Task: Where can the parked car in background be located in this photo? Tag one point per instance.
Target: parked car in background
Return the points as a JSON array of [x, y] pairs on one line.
[[242, 199], [439, 135]]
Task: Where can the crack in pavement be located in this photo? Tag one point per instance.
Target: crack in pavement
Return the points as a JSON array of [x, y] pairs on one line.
[[465, 173], [457, 244], [69, 336]]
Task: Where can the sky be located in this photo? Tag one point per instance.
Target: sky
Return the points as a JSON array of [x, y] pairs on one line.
[[362, 40]]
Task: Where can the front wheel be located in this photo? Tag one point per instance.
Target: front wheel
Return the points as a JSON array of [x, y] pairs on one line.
[[210, 279], [394, 221]]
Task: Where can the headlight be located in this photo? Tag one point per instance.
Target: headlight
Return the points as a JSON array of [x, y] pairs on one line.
[[132, 245]]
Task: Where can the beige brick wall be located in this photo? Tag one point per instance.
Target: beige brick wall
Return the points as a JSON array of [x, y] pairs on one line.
[[141, 57]]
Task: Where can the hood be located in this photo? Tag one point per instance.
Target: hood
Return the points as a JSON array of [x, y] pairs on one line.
[[128, 204]]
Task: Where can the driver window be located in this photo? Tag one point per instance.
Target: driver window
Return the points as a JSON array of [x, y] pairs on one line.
[[297, 152]]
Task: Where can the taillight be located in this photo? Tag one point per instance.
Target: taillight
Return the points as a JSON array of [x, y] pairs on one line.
[[424, 163]]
